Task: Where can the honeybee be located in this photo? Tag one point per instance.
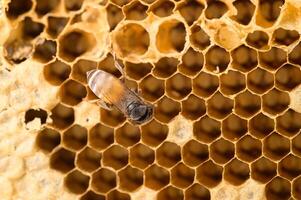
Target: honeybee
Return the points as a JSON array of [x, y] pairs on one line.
[[112, 92]]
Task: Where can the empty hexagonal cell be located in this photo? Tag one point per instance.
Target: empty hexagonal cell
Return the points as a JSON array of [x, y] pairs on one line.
[[248, 148], [192, 62], [15, 8], [199, 38], [288, 77], [75, 137], [221, 151], [135, 11], [244, 58], [43, 6], [127, 135], [258, 39], [260, 80], [116, 194], [296, 145], [103, 180], [130, 178], [116, 156], [217, 59], [62, 160], [156, 177], [245, 11], [197, 191], [75, 43], [232, 82], [276, 146], [162, 8], [168, 154], [247, 104], [272, 59], [108, 65], [31, 29], [141, 156], [170, 192], [206, 129], [76, 182], [297, 188], [171, 36], [165, 67], [295, 56], [90, 195], [151, 88], [234, 127], [153, 133], [290, 167], [32, 114], [111, 117], [55, 25], [124, 39], [263, 170], [193, 107], [275, 101], [167, 109], [261, 125], [114, 15], [209, 174], [73, 5], [278, 189], [205, 84], [88, 160], [194, 153], [178, 86], [137, 71], [285, 37], [80, 69], [268, 12], [190, 10], [72, 92], [289, 123], [237, 172], [101, 136], [182, 176], [219, 106], [62, 116], [48, 139], [56, 72], [215, 9], [45, 51], [121, 3]]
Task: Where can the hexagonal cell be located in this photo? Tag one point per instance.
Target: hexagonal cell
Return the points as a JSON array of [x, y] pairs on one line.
[[295, 56], [88, 160], [297, 188], [32, 114], [62, 116], [167, 109], [247, 104], [193, 107], [206, 129], [275, 101], [73, 5], [154, 133], [236, 172], [289, 123], [127, 135], [162, 8], [263, 170], [234, 127], [182, 176], [248, 148], [90, 195], [135, 11], [115, 194], [15, 8], [260, 80], [56, 72], [141, 156], [17, 50], [276, 146], [190, 10], [130, 178], [116, 157], [197, 191], [76, 182], [152, 88], [114, 15], [103, 180], [43, 6], [296, 145], [278, 189], [192, 62], [209, 174], [205, 84], [45, 51], [261, 125], [72, 92], [178, 86], [165, 67], [221, 151], [80, 69], [244, 58], [194, 153], [272, 59], [108, 65], [168, 154], [232, 82], [199, 38], [75, 43], [258, 39], [288, 77], [75, 137], [156, 177], [120, 3], [245, 11], [48, 139], [111, 118], [170, 192], [290, 167], [171, 36], [219, 106], [55, 25], [101, 136], [215, 9], [137, 71], [217, 59], [268, 12], [62, 160], [30, 28], [285, 37]]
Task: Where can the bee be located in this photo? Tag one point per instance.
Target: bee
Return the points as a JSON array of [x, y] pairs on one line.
[[113, 92]]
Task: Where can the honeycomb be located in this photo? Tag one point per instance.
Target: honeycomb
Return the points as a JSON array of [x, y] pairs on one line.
[[223, 75]]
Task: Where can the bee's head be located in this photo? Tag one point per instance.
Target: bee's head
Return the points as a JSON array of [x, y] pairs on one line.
[[140, 113]]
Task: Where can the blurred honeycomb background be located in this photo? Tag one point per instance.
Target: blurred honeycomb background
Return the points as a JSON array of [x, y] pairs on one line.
[[223, 76]]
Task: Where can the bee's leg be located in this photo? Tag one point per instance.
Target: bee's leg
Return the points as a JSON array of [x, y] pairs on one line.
[[119, 67]]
